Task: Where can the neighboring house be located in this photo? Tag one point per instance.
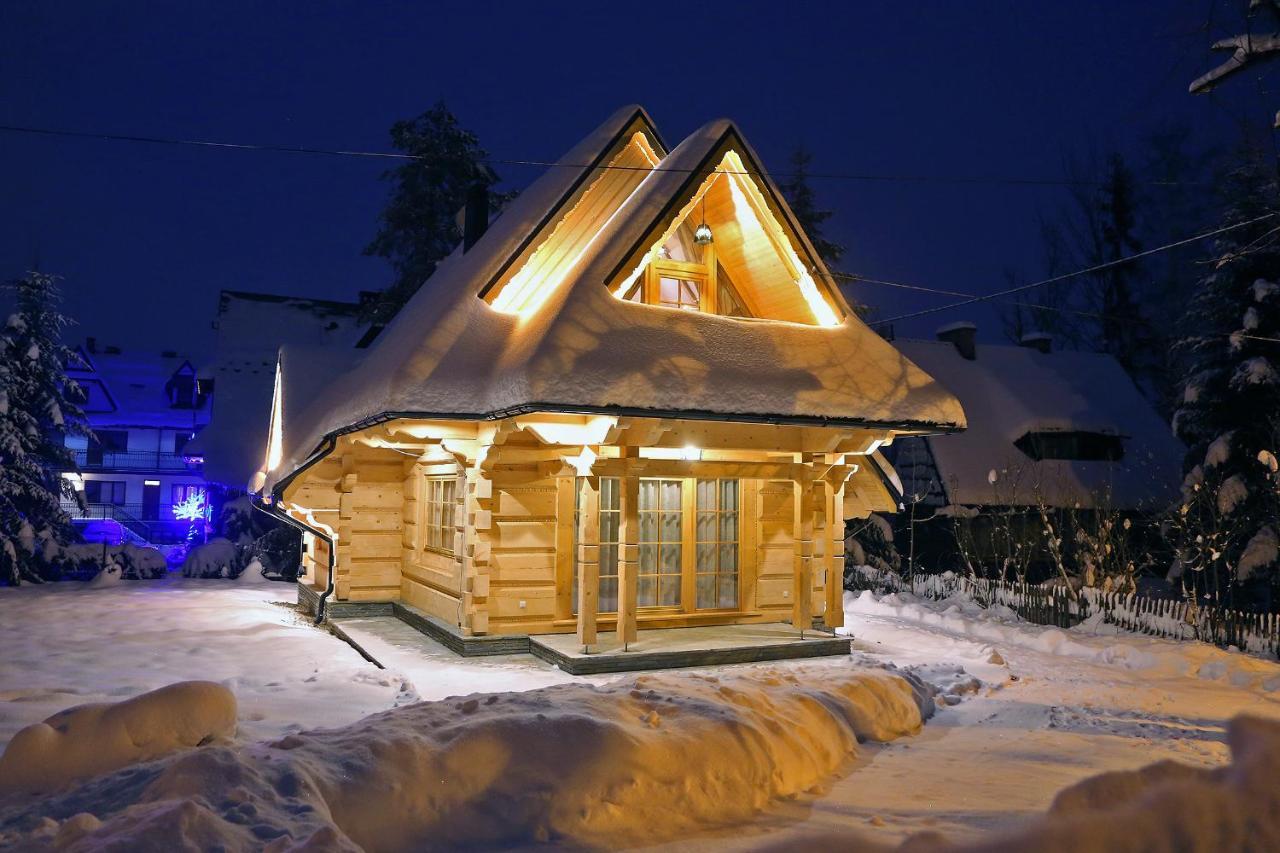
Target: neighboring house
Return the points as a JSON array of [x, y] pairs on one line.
[[143, 409], [635, 401], [251, 328], [1058, 429]]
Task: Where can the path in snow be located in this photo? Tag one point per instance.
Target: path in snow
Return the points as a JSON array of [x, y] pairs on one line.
[[1000, 755]]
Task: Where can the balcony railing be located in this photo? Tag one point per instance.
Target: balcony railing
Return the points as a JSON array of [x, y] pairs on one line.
[[155, 525], [133, 460]]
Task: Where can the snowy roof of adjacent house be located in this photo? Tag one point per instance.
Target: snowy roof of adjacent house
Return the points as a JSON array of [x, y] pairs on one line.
[[251, 329], [1010, 391], [128, 388], [561, 339]]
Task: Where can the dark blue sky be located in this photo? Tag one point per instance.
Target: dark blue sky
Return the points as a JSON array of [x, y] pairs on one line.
[[146, 235]]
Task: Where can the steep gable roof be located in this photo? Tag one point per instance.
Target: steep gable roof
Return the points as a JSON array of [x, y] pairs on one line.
[[578, 347]]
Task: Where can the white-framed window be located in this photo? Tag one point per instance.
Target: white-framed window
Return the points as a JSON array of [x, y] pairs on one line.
[[438, 513]]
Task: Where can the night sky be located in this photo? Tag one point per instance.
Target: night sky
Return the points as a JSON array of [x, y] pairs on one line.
[[147, 235]]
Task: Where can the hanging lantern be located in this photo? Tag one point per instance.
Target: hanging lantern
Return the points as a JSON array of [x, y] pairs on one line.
[[702, 236]]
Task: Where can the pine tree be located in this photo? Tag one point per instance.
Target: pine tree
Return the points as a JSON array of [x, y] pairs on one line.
[[37, 412], [804, 204], [1225, 529], [1101, 311], [418, 228]]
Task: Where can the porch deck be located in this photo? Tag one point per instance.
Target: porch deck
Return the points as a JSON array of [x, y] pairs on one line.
[[669, 648]]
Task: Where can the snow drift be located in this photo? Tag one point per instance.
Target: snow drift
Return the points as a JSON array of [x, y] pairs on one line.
[[1167, 807], [91, 739], [1171, 806], [641, 759]]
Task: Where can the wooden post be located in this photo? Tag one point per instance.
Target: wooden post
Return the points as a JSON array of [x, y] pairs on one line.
[[833, 613], [566, 554], [802, 554], [477, 549], [346, 523], [628, 559], [588, 559]]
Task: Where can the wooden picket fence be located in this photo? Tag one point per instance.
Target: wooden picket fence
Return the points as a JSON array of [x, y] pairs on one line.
[[1258, 633]]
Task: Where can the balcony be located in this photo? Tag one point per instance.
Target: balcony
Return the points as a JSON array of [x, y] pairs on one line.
[[152, 525], [133, 460]]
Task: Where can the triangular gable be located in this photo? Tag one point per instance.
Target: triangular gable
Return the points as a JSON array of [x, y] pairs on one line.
[[558, 242], [768, 267]]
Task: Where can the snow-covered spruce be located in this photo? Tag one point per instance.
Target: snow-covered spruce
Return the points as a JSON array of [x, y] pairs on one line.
[[1230, 413], [37, 412], [644, 758]]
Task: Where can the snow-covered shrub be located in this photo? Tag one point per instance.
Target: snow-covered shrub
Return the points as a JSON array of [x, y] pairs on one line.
[[92, 739], [239, 522], [869, 542], [279, 552], [217, 558], [85, 560]]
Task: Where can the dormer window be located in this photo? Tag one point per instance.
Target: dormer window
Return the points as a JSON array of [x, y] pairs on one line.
[[1076, 446]]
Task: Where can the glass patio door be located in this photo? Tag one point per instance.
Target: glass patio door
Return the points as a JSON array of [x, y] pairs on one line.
[[661, 515]]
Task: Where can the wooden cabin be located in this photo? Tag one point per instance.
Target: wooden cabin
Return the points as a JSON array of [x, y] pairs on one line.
[[637, 400]]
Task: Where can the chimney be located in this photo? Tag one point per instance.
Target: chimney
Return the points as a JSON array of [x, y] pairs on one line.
[[1041, 341], [960, 335], [475, 216], [91, 344]]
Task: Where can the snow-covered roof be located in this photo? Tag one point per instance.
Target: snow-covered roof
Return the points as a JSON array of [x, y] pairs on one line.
[[251, 328], [1008, 391], [449, 353], [125, 387]]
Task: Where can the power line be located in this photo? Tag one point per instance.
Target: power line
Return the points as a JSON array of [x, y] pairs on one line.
[[1086, 271], [499, 161], [1030, 306]]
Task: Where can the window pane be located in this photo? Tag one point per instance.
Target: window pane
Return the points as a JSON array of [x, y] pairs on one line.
[[670, 591], [670, 559], [728, 495], [729, 558], [648, 494], [706, 557], [608, 602], [706, 591], [647, 593], [669, 290], [728, 591]]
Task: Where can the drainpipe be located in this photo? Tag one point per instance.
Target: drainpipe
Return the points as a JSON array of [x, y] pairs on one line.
[[274, 511]]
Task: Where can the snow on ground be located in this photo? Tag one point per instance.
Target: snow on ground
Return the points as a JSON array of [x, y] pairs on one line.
[[1025, 711], [69, 644], [652, 755], [1054, 708]]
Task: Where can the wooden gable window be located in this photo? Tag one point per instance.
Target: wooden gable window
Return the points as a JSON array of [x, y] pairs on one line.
[[684, 275], [437, 513]]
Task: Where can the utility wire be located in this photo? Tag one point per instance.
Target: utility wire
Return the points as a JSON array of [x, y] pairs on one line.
[[497, 161], [1086, 271], [1030, 306]]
